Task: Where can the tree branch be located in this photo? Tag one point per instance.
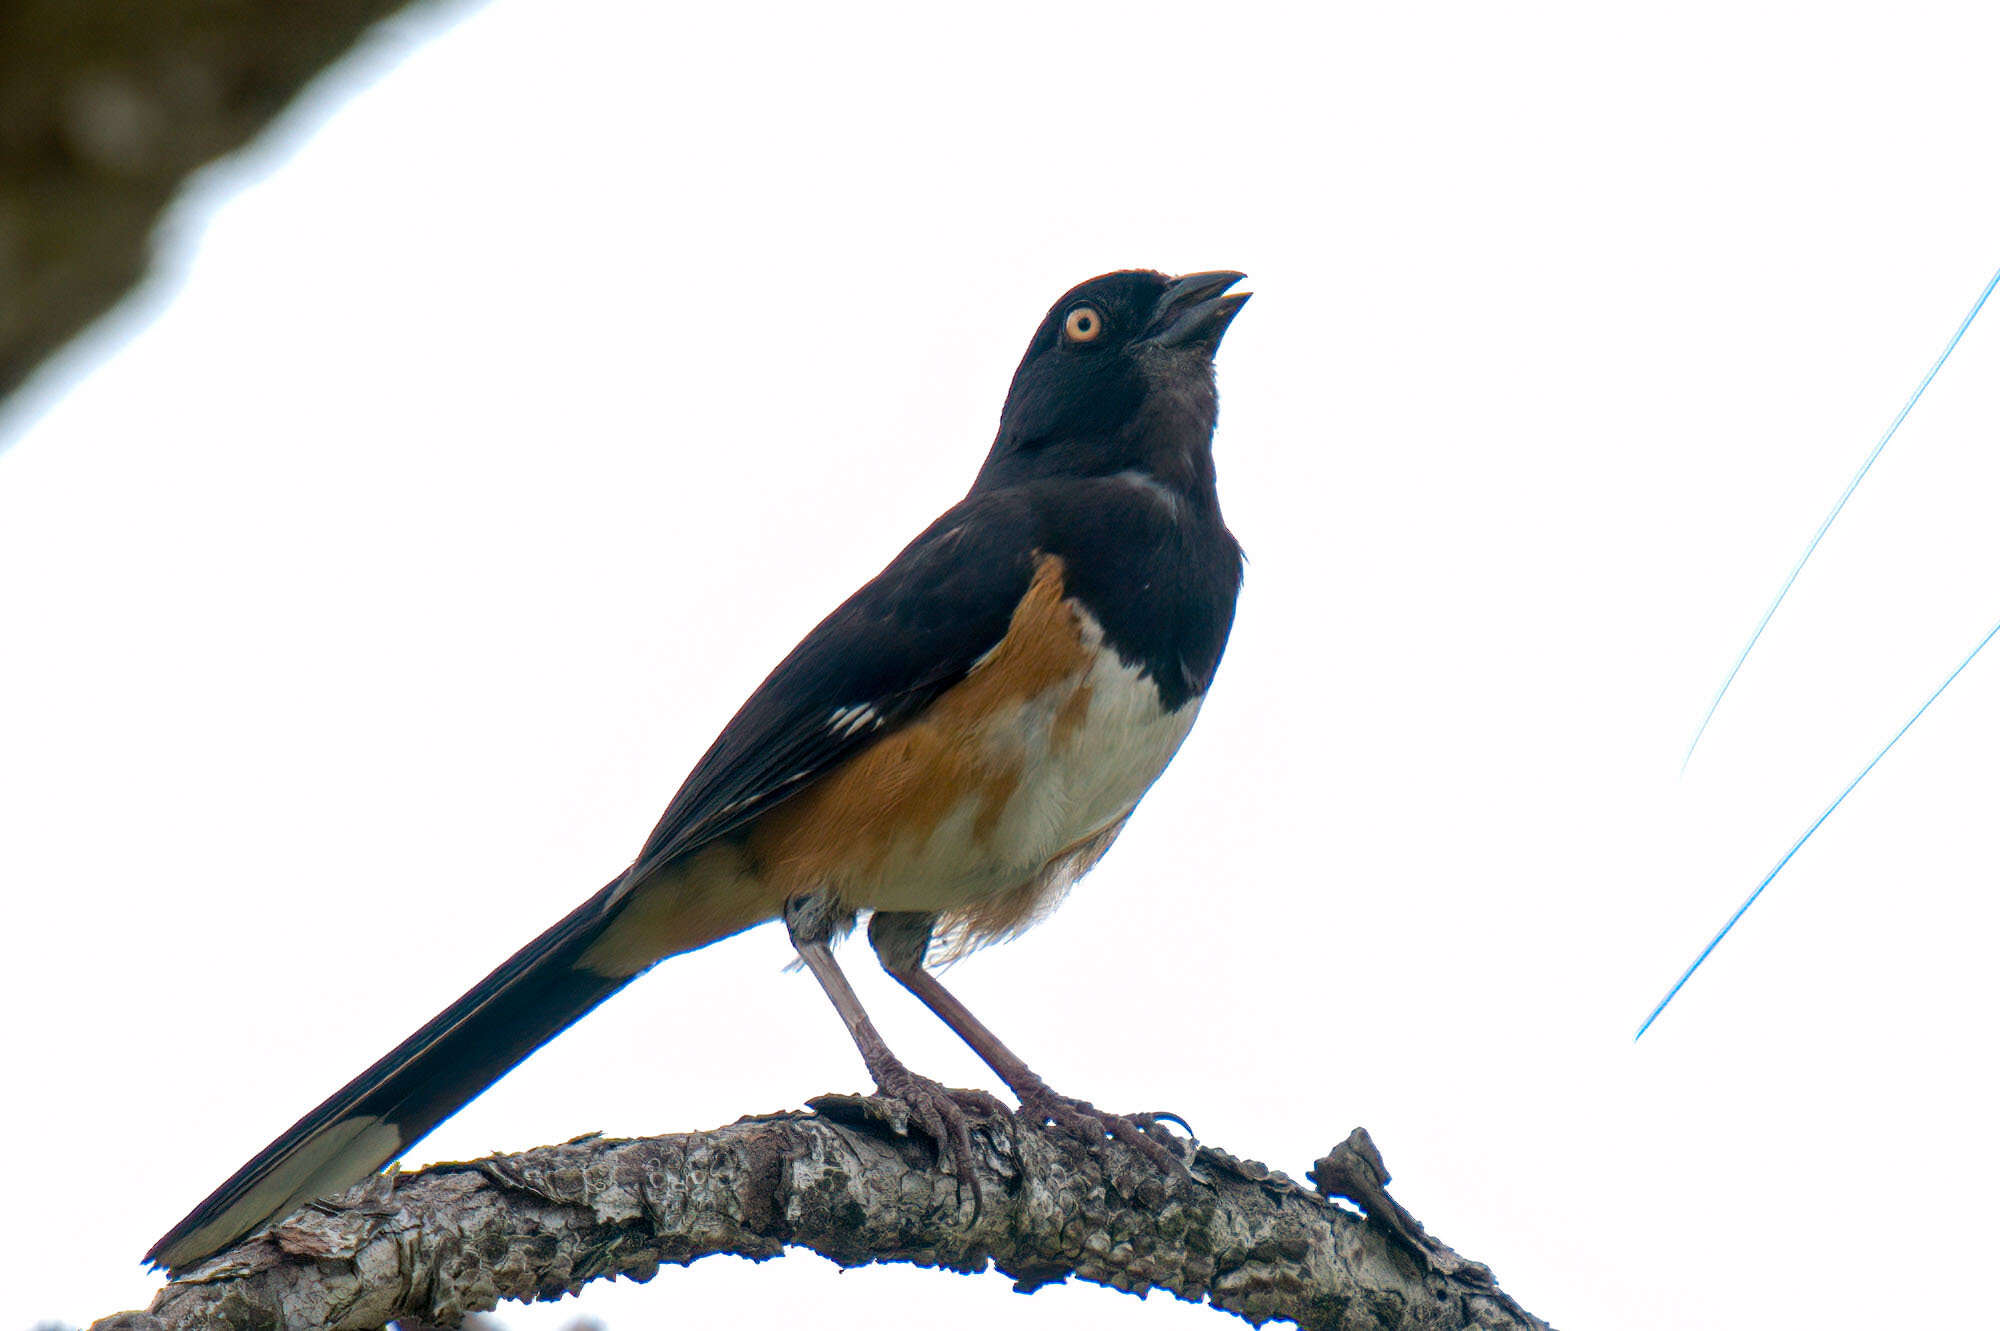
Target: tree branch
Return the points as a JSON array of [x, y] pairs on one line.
[[105, 107], [850, 1183]]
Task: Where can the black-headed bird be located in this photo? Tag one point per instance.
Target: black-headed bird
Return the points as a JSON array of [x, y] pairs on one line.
[[947, 752]]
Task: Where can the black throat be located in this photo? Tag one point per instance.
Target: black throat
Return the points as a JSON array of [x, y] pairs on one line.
[[1136, 520]]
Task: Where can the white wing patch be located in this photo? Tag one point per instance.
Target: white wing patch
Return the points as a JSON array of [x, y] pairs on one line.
[[849, 721]]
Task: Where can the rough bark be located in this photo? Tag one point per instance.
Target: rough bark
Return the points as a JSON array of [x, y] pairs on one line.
[[851, 1183], [105, 107]]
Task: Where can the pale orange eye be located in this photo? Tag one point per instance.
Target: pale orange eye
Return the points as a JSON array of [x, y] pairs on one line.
[[1083, 324]]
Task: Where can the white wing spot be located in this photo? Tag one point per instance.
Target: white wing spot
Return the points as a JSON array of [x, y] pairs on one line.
[[848, 721]]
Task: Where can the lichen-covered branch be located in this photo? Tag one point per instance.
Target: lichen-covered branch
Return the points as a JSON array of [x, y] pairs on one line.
[[850, 1183], [105, 107]]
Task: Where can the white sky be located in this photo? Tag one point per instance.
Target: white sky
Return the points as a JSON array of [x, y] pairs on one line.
[[369, 584]]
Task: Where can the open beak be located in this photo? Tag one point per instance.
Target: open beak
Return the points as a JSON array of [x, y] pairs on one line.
[[1193, 311]]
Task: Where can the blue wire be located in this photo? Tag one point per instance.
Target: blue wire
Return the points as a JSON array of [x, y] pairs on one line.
[[1724, 933], [1841, 503]]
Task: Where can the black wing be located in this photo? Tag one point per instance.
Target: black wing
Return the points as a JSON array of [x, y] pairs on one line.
[[898, 642], [911, 633]]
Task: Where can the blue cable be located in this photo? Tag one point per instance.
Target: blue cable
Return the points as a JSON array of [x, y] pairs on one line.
[[1841, 503], [1724, 932]]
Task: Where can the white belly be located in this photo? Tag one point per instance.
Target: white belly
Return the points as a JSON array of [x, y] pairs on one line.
[[1083, 763]]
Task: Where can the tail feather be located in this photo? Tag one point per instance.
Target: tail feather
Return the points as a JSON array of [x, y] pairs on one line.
[[531, 998]]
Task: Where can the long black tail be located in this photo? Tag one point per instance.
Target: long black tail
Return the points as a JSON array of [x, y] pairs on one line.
[[535, 995]]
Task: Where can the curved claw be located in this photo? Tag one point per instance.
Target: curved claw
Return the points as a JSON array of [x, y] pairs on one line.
[[936, 1109], [1148, 1119], [1082, 1119]]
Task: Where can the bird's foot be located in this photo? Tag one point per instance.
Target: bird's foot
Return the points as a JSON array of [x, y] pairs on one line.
[[1086, 1121], [941, 1112]]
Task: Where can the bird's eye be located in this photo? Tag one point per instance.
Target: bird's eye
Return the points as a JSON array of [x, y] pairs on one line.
[[1083, 324]]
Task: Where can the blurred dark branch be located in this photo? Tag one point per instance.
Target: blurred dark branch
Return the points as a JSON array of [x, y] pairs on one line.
[[105, 107], [435, 1247]]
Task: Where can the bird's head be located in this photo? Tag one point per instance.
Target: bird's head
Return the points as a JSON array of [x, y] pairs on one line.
[[1120, 375]]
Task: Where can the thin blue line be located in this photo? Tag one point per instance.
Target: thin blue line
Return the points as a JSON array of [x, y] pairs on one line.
[[1724, 933], [1846, 494]]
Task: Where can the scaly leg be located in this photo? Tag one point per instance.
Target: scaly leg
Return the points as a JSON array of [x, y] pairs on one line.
[[900, 940], [812, 921]]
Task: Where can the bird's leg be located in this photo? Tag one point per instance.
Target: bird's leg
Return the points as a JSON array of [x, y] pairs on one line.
[[900, 940], [813, 919]]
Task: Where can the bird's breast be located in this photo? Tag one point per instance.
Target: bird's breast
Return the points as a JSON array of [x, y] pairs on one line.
[[1045, 746]]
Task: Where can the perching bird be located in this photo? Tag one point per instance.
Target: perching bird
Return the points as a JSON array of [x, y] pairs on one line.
[[949, 751]]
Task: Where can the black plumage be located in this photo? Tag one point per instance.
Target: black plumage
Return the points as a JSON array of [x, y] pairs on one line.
[[1102, 464]]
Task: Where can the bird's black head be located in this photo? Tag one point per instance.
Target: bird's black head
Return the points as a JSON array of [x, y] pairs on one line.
[[1120, 376]]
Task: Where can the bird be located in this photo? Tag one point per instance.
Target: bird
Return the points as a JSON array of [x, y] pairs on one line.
[[946, 754]]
